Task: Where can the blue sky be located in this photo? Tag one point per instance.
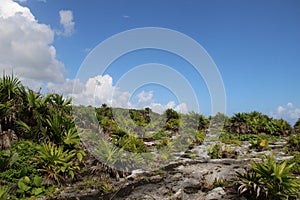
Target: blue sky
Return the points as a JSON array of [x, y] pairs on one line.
[[254, 44]]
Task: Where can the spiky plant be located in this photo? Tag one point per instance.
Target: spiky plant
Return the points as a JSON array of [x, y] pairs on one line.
[[56, 162], [269, 180]]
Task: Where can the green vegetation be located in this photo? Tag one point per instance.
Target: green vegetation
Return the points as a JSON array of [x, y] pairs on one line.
[[269, 180], [218, 151], [42, 136], [293, 147], [27, 120], [257, 123]]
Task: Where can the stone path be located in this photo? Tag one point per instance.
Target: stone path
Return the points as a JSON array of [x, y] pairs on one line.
[[192, 177]]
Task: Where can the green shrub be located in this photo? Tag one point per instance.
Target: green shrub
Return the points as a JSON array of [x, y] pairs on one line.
[[56, 162], [296, 167], [216, 151], [249, 185], [269, 180], [199, 137], [294, 142], [161, 134], [30, 186], [260, 144], [219, 151], [132, 143], [18, 161], [165, 142], [5, 159]]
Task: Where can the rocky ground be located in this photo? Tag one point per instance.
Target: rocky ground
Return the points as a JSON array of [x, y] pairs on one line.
[[191, 177]]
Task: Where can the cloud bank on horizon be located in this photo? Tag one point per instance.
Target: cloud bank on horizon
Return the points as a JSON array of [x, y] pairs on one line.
[[98, 90], [288, 111], [27, 50]]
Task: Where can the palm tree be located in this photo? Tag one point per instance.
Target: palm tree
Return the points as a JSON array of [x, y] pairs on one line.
[[11, 100]]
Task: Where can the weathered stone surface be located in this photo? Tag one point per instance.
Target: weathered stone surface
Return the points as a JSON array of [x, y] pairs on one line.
[[215, 194], [192, 176]]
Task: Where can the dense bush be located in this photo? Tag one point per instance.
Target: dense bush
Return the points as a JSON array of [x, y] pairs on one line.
[[132, 143], [18, 161], [257, 123], [294, 142]]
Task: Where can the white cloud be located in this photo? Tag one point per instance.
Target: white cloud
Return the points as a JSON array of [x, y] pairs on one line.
[[157, 107], [95, 91], [66, 20], [290, 105], [288, 112], [9, 8], [67, 88], [144, 99], [160, 108], [26, 46], [170, 104], [100, 89], [182, 108], [280, 109]]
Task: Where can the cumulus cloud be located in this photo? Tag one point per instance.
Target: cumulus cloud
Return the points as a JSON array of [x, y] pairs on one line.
[[288, 112], [95, 91], [280, 109], [69, 87], [100, 89], [26, 45], [66, 20], [182, 108], [144, 99], [160, 108]]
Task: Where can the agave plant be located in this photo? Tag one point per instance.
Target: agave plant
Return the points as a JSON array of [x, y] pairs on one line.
[[269, 180], [56, 162], [109, 154], [249, 185], [60, 104], [71, 136], [278, 178]]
